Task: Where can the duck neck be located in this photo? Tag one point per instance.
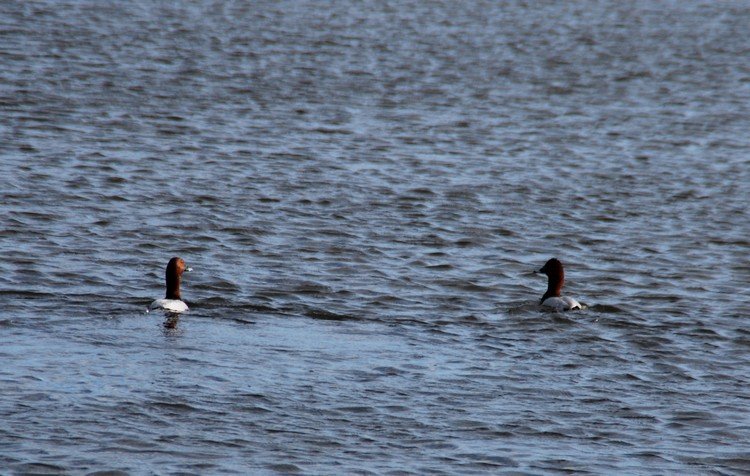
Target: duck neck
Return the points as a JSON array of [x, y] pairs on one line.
[[554, 287], [173, 287]]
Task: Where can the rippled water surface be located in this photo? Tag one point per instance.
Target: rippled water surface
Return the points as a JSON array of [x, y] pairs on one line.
[[363, 190]]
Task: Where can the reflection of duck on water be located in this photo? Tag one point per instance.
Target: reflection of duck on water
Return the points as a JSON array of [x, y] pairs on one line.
[[171, 321]]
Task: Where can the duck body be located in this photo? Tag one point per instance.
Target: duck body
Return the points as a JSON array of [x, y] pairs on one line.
[[172, 302], [553, 299], [169, 305], [562, 303]]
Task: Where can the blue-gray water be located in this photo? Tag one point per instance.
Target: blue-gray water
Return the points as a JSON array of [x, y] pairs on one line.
[[363, 190]]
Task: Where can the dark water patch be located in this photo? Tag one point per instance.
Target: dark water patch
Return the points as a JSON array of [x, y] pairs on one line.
[[40, 468], [328, 315], [285, 468], [174, 407], [606, 308]]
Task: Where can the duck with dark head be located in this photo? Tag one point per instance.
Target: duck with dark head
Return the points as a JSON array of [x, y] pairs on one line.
[[173, 300], [555, 280]]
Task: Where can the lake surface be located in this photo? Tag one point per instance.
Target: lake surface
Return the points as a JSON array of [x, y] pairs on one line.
[[363, 190]]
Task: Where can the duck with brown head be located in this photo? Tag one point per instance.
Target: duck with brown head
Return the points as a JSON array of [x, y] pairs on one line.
[[555, 279], [173, 300]]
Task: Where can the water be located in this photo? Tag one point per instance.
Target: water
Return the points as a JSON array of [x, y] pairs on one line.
[[363, 190]]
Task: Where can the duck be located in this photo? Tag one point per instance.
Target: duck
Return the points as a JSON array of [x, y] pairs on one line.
[[555, 279], [173, 302]]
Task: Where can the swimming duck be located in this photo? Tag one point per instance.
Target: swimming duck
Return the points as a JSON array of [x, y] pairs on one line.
[[173, 302], [555, 279]]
